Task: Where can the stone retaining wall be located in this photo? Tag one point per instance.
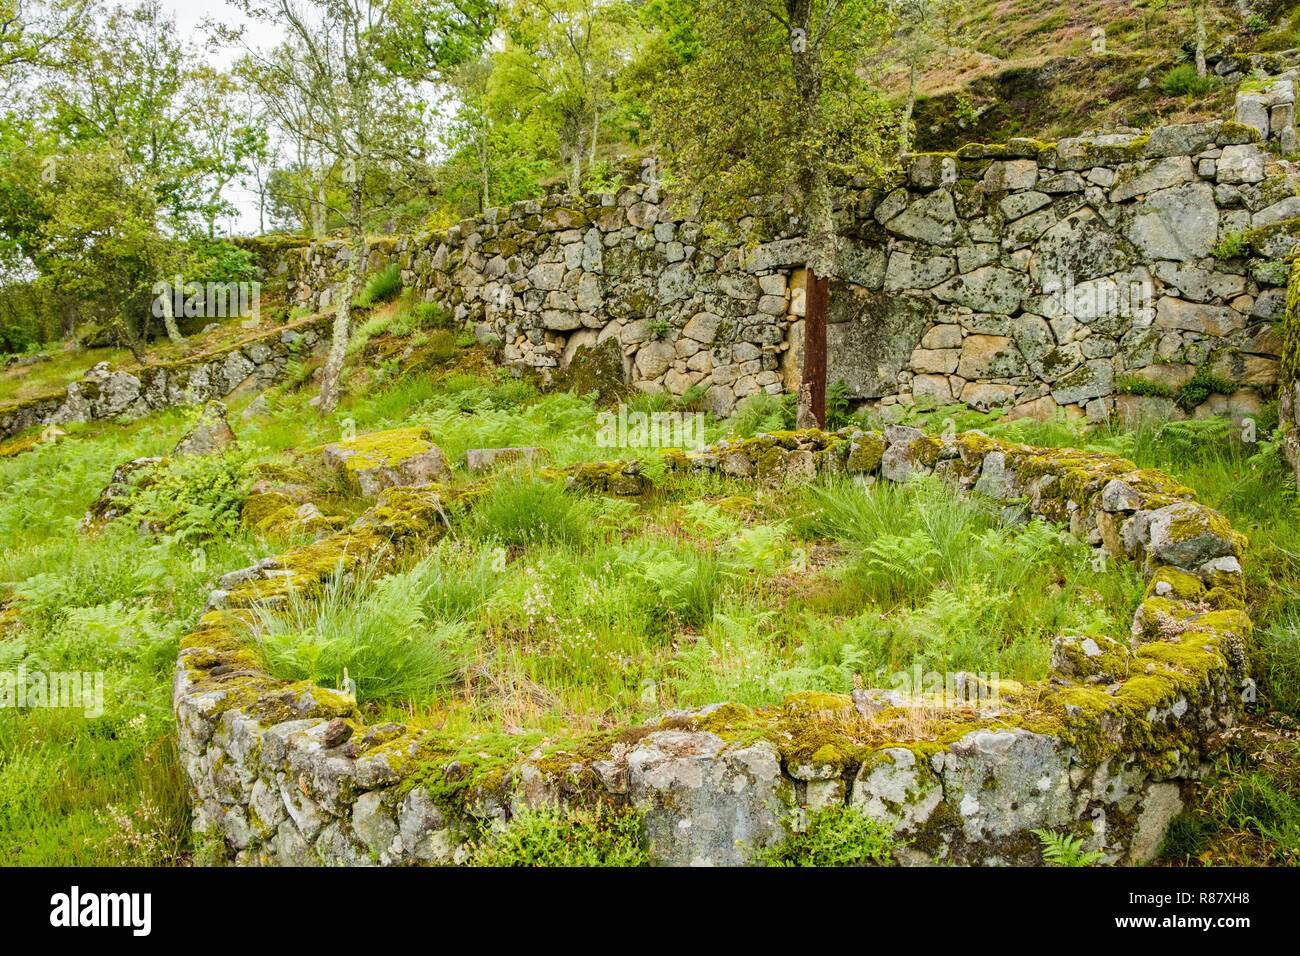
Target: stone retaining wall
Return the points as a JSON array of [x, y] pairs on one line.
[[286, 772], [1032, 276], [248, 366]]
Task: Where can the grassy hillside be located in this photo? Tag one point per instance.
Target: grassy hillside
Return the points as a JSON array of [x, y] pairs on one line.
[[553, 612], [1027, 67]]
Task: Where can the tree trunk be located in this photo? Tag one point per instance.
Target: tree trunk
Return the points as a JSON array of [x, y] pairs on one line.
[[905, 128], [818, 215], [342, 334], [1199, 11], [812, 386], [169, 316], [485, 157], [318, 210], [126, 338], [575, 169]]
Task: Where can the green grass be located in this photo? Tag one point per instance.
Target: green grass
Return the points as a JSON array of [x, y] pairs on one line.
[[1183, 80], [553, 611], [1249, 813], [383, 286], [375, 630]]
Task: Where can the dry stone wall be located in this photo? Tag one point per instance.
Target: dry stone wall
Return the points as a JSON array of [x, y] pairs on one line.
[[249, 367], [1029, 276], [287, 773]]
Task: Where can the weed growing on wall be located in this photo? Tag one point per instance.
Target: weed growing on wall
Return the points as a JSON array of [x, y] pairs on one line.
[[835, 836]]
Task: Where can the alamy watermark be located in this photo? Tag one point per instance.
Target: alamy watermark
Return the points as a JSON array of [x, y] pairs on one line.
[[948, 688], [74, 909], [628, 429], [71, 690]]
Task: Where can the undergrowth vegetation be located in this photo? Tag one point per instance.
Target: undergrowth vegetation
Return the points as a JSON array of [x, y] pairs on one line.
[[548, 838], [835, 836], [547, 610]]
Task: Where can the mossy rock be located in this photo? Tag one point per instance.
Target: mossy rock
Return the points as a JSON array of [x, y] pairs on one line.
[[394, 458], [1094, 659], [597, 369], [865, 453], [118, 496]]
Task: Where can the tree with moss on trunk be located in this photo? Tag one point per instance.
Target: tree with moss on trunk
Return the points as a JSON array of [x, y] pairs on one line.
[[355, 64], [774, 103], [924, 26], [1199, 29]]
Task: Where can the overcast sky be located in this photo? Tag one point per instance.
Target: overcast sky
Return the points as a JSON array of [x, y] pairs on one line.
[[190, 15]]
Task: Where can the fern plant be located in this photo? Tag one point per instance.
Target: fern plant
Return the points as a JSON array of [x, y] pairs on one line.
[[837, 405], [900, 566], [835, 836], [1061, 849], [756, 551]]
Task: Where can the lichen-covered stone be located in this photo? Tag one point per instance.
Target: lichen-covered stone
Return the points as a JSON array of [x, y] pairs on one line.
[[401, 457], [1094, 658], [210, 435], [707, 803], [1188, 535]]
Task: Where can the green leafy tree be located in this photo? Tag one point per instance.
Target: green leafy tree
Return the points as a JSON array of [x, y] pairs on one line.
[[32, 32], [773, 102], [225, 136], [498, 153], [101, 243], [299, 192], [560, 63], [346, 63], [118, 92]]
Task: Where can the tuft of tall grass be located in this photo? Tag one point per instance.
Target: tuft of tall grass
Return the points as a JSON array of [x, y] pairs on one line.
[[375, 628], [530, 511], [383, 286]]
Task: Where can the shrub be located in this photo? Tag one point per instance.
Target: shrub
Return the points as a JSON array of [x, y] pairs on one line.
[[835, 836], [569, 838], [216, 260], [1201, 386], [1183, 80]]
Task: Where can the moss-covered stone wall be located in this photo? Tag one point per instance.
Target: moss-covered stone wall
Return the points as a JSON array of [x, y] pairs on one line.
[[1096, 275], [1288, 384], [287, 773], [250, 365]]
